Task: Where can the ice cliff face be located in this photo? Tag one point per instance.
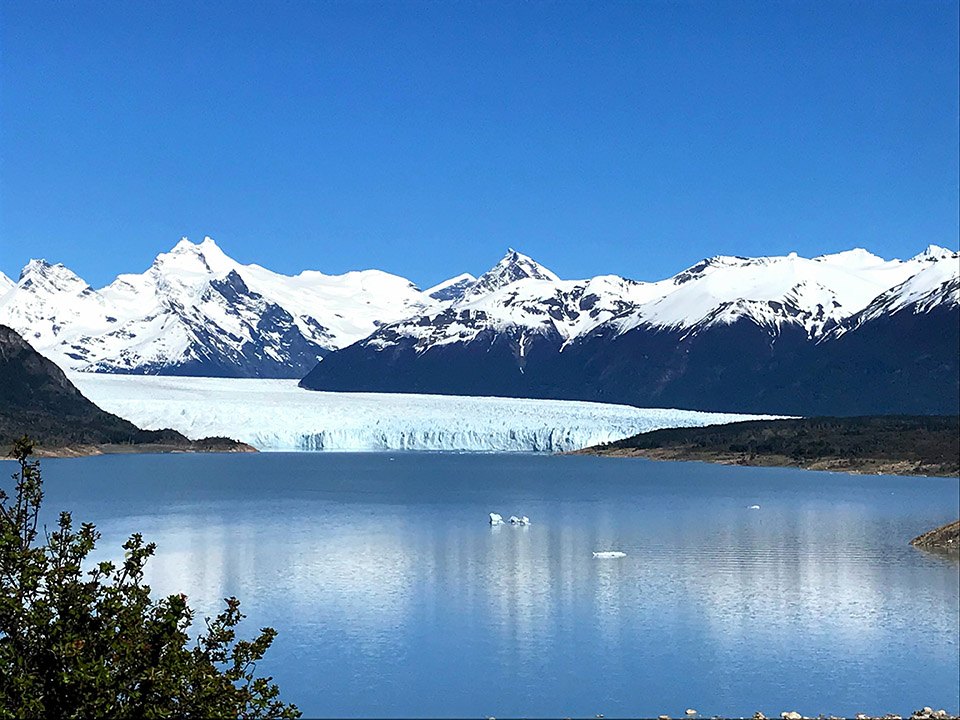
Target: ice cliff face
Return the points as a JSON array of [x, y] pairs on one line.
[[277, 415]]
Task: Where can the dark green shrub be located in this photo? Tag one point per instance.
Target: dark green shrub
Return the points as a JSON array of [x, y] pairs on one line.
[[78, 642]]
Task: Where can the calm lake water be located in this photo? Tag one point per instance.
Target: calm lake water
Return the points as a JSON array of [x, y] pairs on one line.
[[394, 597]]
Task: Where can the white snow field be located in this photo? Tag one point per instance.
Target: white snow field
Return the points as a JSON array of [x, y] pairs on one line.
[[277, 415]]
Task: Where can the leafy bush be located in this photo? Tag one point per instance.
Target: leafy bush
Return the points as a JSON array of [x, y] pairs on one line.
[[78, 642]]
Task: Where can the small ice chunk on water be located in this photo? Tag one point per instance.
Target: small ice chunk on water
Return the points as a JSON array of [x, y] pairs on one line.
[[753, 507], [496, 519], [522, 520], [604, 554]]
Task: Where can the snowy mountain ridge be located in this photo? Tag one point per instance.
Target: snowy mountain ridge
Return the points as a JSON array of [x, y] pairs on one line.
[[521, 298], [196, 311], [935, 286], [847, 333]]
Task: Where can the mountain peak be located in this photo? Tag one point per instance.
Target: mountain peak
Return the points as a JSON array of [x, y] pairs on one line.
[[934, 252], [183, 245], [35, 265], [853, 258], [205, 256], [513, 266], [513, 257], [186, 245], [38, 274]]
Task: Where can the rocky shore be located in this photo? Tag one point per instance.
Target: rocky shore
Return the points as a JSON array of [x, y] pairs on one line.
[[887, 445], [945, 537], [925, 713], [858, 466], [204, 445]]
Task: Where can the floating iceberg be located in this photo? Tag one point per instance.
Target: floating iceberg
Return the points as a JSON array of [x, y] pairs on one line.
[[604, 554], [278, 415], [496, 519], [523, 520], [753, 507]]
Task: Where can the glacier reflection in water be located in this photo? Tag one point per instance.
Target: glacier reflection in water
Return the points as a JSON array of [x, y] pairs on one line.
[[394, 596]]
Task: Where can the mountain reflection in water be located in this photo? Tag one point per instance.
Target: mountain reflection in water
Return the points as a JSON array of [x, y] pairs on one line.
[[394, 596]]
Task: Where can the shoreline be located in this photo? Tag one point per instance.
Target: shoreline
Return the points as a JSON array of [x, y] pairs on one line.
[[93, 450], [915, 445], [860, 466], [943, 538], [851, 466]]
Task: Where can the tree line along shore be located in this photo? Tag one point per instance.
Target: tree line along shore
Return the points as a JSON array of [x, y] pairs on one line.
[[883, 444]]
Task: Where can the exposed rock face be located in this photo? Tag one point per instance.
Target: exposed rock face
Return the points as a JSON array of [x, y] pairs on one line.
[[946, 537], [38, 400]]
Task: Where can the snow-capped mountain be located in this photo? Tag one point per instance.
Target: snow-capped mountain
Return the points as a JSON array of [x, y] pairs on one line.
[[935, 286], [512, 268], [701, 339], [770, 291], [196, 311], [771, 334], [522, 298]]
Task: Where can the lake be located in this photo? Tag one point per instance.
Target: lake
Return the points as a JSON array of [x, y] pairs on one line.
[[394, 597]]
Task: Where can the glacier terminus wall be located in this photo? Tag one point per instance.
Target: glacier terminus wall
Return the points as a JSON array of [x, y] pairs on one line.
[[277, 415]]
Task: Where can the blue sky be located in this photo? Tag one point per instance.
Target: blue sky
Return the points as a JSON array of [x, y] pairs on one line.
[[425, 138]]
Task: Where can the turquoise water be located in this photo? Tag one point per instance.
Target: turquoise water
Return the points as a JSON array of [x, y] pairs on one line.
[[393, 596]]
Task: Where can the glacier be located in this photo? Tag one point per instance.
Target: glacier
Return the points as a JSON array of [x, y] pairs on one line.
[[278, 415]]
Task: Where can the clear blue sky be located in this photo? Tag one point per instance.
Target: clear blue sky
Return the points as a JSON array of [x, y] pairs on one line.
[[423, 138]]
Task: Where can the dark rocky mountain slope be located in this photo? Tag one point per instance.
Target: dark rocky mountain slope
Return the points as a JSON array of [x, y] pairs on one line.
[[38, 400]]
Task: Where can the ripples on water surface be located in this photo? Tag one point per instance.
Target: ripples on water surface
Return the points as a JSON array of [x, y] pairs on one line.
[[393, 596]]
